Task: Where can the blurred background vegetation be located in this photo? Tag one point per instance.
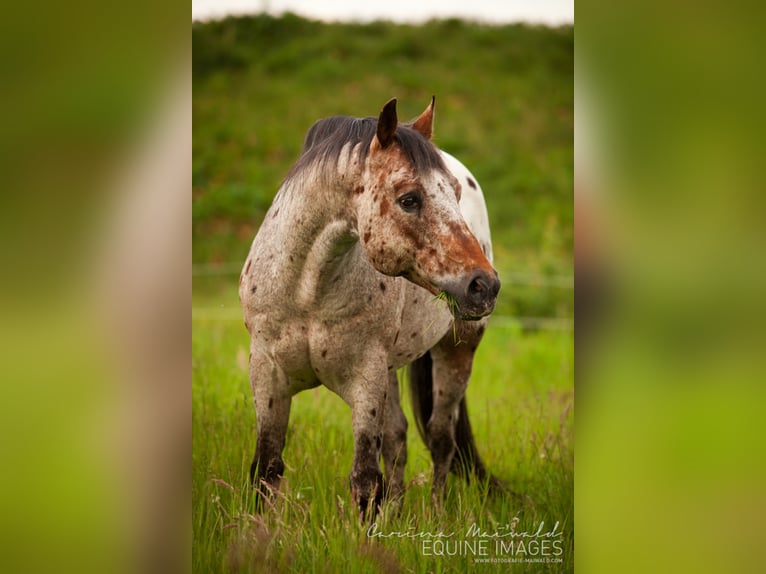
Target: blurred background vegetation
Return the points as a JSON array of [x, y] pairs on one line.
[[504, 107]]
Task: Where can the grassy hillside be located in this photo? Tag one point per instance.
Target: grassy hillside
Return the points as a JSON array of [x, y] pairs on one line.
[[504, 107]]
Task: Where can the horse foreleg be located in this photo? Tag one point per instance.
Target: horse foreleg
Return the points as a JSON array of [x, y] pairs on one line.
[[272, 409], [367, 396], [394, 439], [451, 371]]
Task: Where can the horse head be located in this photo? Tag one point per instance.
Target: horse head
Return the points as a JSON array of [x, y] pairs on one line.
[[409, 220]]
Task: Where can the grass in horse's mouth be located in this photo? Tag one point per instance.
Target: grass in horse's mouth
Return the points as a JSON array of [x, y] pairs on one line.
[[454, 309], [450, 300]]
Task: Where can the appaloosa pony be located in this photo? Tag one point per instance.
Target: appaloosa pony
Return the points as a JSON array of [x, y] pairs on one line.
[[375, 254]]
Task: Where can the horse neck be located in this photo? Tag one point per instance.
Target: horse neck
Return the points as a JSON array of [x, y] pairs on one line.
[[315, 231]]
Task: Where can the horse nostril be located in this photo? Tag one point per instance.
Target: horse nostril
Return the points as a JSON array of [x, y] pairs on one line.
[[482, 288], [477, 285]]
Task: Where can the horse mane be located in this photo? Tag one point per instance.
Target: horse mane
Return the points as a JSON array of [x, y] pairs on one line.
[[326, 139]]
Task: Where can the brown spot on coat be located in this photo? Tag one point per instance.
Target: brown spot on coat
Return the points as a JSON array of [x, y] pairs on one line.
[[373, 412], [271, 402], [247, 267], [366, 236], [382, 286], [471, 182]]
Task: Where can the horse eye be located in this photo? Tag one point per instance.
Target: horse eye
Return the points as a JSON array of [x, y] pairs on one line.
[[409, 202]]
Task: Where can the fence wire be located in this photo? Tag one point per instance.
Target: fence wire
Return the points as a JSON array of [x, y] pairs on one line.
[[523, 278], [519, 278], [496, 321]]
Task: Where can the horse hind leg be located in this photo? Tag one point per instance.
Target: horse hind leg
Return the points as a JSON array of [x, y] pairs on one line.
[[272, 409], [394, 440]]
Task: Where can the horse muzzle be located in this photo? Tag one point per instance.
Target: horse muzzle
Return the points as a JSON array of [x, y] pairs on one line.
[[475, 295]]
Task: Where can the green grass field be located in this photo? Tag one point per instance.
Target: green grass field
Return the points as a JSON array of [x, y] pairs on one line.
[[505, 108], [520, 400]]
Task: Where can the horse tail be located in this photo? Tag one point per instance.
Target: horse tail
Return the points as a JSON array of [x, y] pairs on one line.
[[466, 462], [421, 392]]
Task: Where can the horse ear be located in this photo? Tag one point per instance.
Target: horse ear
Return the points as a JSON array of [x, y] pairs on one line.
[[387, 122], [425, 122]]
